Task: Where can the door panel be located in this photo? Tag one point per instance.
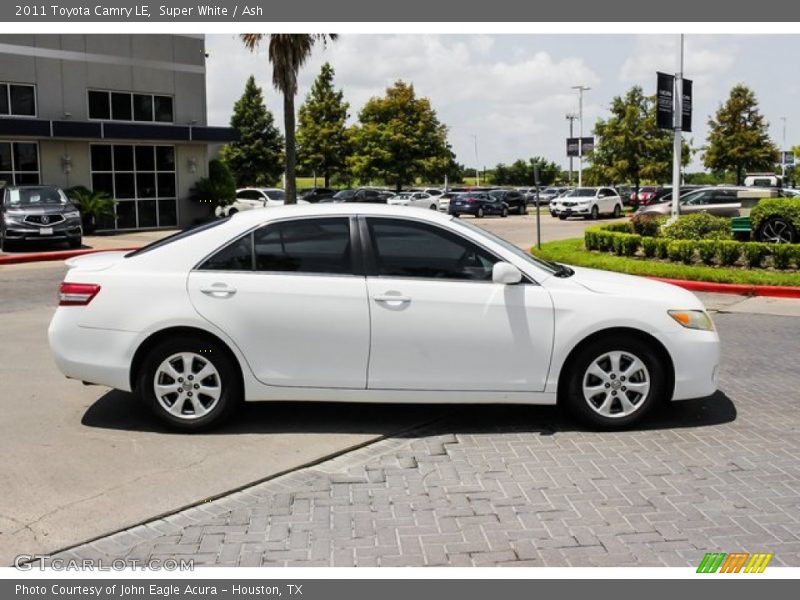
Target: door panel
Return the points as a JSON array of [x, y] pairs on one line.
[[452, 335]]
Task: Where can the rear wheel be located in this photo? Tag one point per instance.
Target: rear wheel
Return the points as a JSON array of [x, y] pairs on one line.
[[595, 213], [617, 211], [232, 212], [614, 382], [479, 214], [522, 210], [433, 207], [777, 230], [190, 383], [504, 212]]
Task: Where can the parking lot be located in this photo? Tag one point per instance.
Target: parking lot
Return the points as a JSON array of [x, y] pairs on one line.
[[444, 485]]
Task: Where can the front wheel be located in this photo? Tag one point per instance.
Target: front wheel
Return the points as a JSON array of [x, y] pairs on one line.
[[522, 209], [190, 383], [504, 212], [595, 213], [433, 207], [614, 382], [479, 214], [75, 243], [617, 211]]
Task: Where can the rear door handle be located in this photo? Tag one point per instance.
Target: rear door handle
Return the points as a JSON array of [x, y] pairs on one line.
[[219, 290], [391, 298]]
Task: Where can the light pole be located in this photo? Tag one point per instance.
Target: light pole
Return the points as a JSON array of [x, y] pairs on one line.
[[477, 164], [677, 148], [783, 149], [571, 118], [581, 89]]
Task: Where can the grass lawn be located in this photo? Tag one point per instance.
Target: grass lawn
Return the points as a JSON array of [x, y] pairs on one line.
[[572, 252]]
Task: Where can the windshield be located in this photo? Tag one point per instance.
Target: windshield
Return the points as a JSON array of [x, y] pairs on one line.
[[38, 196], [545, 265], [582, 193], [344, 194]]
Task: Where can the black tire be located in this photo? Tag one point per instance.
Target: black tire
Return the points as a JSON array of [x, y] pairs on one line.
[[617, 212], [504, 212], [522, 210], [230, 382], [562, 217], [479, 214], [231, 212], [595, 214], [434, 207], [75, 243], [571, 391], [777, 230], [3, 242]]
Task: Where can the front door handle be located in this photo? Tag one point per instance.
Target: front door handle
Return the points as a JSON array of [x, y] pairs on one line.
[[391, 298], [219, 290]]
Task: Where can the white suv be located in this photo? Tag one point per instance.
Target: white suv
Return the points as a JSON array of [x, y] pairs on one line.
[[254, 197], [587, 202]]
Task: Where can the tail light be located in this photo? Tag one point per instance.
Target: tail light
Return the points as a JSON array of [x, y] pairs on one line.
[[76, 294], [470, 200]]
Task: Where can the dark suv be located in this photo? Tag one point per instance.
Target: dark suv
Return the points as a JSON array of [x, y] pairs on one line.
[[38, 212], [514, 199]]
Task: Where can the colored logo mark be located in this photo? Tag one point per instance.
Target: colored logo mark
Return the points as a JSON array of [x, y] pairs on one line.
[[736, 562]]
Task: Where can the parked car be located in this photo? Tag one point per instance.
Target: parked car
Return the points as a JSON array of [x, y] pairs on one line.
[[646, 193], [665, 194], [373, 195], [477, 204], [587, 202], [416, 199], [253, 197], [38, 213], [315, 194], [444, 200], [513, 199], [722, 201], [246, 308], [428, 190], [546, 195]]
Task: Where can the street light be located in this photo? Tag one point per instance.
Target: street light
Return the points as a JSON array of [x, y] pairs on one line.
[[571, 117], [581, 89]]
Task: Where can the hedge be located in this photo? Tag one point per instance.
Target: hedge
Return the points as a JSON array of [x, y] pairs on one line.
[[619, 239]]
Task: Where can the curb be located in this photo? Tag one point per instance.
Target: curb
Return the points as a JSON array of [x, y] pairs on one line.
[[774, 291], [13, 259]]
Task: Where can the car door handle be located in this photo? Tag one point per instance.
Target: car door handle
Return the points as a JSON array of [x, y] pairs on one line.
[[391, 298], [219, 290]]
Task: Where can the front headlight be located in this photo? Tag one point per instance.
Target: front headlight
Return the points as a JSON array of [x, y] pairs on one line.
[[693, 319], [12, 218], [73, 214]]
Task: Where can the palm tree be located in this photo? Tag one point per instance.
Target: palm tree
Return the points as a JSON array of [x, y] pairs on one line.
[[287, 53]]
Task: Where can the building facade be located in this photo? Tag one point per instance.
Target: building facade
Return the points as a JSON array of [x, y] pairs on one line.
[[123, 114]]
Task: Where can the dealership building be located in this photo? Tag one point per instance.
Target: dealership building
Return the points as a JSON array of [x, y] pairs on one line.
[[122, 114]]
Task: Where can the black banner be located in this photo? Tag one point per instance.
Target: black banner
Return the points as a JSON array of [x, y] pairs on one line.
[[665, 101], [573, 146], [686, 108]]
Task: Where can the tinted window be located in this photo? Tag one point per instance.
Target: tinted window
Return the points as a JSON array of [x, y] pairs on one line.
[[163, 109], [142, 107], [99, 105], [305, 246], [275, 194], [3, 98], [23, 100], [121, 106], [236, 256], [723, 197], [249, 195], [411, 249]]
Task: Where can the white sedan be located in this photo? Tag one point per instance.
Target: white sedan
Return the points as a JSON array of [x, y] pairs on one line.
[[254, 197], [417, 199], [371, 303]]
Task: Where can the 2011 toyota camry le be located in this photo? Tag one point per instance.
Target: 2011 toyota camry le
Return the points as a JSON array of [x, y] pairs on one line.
[[371, 303]]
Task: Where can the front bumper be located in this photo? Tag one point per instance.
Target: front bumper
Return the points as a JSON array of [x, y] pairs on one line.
[[20, 232], [695, 356]]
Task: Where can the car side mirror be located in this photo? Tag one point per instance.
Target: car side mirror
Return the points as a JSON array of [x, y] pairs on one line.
[[506, 273]]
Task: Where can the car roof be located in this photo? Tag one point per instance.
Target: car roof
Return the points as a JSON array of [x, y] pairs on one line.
[[260, 215], [259, 189]]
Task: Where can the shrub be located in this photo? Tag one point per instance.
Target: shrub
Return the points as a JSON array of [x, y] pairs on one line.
[[219, 188], [624, 227], [605, 241], [728, 252], [754, 253], [626, 244], [788, 208], [662, 247], [649, 246], [681, 250], [698, 226], [707, 249], [647, 225], [782, 255]]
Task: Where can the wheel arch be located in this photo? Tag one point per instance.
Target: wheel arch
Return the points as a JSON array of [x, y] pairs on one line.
[[161, 335], [638, 334]]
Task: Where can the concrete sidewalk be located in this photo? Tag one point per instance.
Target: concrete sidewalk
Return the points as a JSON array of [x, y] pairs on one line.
[[96, 242], [756, 305]]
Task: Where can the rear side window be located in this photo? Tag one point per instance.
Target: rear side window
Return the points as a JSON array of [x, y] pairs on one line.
[[236, 256], [319, 246]]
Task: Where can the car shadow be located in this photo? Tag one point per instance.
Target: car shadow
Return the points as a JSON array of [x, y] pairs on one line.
[[123, 411]]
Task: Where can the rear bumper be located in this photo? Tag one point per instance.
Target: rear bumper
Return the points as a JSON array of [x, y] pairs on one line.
[[101, 356]]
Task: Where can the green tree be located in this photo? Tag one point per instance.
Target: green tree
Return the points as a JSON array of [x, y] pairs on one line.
[[287, 53], [257, 157], [523, 173], [738, 137], [321, 131], [630, 146], [399, 138], [219, 188]]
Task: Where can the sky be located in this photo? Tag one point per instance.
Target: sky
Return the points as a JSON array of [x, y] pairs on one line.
[[511, 93]]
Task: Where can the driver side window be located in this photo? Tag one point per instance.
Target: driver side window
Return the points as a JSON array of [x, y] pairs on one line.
[[412, 249]]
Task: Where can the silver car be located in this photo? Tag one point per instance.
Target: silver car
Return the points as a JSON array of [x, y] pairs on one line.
[[38, 213], [722, 201]]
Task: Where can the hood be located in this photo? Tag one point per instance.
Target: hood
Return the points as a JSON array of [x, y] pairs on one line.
[[96, 261], [619, 284]]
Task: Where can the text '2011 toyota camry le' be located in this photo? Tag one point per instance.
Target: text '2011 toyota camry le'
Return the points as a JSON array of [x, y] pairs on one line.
[[373, 304]]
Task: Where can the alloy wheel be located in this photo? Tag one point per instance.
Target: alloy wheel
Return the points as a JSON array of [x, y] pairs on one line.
[[616, 384], [777, 231], [187, 385]]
